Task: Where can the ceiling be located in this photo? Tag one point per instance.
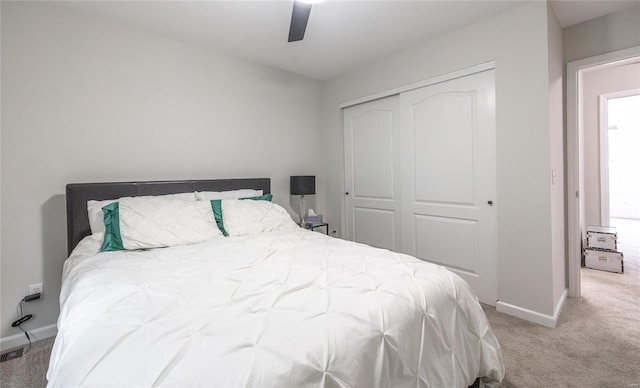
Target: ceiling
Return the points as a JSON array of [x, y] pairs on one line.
[[341, 35]]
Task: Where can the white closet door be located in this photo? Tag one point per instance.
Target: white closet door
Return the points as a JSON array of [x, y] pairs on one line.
[[372, 173], [449, 178]]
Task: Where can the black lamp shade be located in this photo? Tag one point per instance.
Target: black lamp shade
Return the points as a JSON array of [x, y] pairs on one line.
[[303, 185]]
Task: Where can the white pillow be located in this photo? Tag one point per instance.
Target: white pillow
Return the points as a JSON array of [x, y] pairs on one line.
[[246, 193], [209, 195], [243, 218], [154, 222], [231, 194], [96, 216]]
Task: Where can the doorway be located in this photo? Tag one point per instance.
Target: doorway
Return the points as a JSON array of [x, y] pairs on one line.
[[619, 145], [576, 191], [620, 142]]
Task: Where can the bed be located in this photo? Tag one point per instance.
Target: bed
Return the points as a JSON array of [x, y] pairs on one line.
[[279, 307]]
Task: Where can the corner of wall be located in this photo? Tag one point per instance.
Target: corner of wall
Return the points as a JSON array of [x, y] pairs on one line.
[[534, 316], [556, 154]]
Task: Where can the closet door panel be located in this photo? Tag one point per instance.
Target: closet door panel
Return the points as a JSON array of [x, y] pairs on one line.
[[372, 173], [420, 176], [444, 134], [451, 242], [449, 212], [373, 155], [375, 227]]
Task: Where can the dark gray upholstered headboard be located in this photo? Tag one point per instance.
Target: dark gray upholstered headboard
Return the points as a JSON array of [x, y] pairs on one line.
[[79, 193]]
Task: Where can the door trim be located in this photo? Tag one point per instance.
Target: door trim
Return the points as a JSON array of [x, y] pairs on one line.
[[416, 85], [575, 69]]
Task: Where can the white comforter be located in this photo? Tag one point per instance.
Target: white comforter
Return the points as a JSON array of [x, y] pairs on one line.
[[281, 309]]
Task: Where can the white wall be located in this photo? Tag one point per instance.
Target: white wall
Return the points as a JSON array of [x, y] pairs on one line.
[[517, 41], [596, 83], [556, 147], [616, 31], [86, 101]]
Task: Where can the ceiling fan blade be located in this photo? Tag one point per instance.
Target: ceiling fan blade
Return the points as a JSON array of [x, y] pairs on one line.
[[299, 19]]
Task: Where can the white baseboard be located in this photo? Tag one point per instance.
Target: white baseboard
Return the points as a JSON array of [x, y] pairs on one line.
[[533, 316], [21, 340]]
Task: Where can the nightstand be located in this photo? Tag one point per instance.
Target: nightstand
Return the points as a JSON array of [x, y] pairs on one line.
[[323, 225]]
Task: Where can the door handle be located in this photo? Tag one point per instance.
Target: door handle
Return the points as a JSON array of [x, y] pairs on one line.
[[490, 203], [347, 193]]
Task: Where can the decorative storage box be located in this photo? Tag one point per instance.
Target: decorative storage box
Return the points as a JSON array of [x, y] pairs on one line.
[[604, 237], [604, 259]]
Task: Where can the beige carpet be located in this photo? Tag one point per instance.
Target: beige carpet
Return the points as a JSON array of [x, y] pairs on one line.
[[28, 371], [597, 340], [596, 343]]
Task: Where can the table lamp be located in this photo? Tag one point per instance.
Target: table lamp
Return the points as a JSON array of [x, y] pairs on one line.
[[302, 185]]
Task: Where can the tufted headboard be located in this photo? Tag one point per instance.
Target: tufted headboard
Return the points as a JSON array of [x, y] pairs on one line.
[[79, 193]]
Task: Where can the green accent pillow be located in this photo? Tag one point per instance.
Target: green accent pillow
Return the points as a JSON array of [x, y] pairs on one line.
[[216, 205], [112, 239]]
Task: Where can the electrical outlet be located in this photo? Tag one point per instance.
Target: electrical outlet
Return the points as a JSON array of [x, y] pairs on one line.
[[35, 289]]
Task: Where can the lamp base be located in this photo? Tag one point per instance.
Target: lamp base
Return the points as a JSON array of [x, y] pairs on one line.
[[302, 223]]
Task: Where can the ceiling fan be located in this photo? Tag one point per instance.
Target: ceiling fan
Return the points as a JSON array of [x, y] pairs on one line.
[[299, 18]]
